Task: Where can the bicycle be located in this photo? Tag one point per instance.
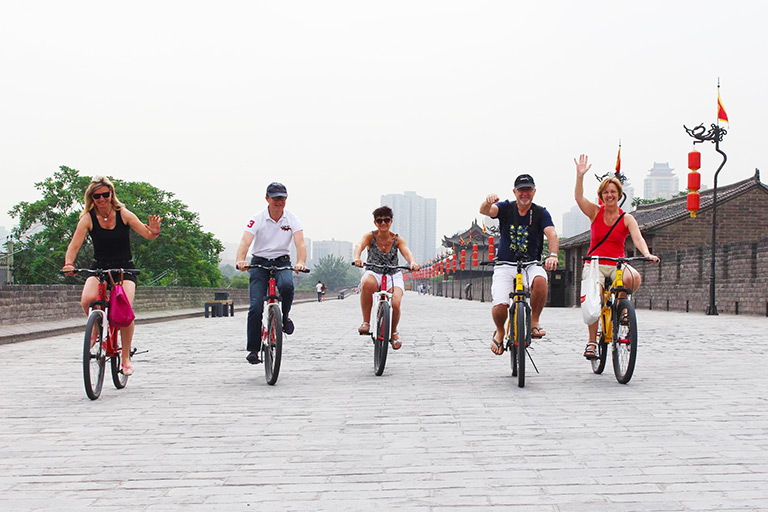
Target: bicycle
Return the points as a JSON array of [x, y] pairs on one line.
[[101, 339], [382, 334], [617, 323], [272, 335], [518, 332]]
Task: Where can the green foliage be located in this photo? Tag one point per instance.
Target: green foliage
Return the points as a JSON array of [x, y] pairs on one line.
[[183, 255], [240, 280], [335, 272], [639, 201]]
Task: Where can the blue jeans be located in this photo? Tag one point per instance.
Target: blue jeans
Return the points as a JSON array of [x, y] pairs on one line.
[[258, 290]]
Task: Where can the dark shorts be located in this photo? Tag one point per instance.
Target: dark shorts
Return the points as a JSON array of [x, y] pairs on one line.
[[116, 264]]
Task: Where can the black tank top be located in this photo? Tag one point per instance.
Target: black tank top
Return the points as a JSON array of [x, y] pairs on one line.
[[111, 245]]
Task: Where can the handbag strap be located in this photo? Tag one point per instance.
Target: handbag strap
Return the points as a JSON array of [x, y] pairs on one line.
[[606, 235], [111, 279]]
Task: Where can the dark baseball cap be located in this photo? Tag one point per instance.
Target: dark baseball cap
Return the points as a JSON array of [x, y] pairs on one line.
[[524, 180], [276, 189]]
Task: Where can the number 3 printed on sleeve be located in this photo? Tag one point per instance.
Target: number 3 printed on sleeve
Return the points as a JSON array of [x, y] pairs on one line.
[[250, 223]]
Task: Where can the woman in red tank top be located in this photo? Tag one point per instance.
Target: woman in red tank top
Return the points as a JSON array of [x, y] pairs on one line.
[[604, 217]]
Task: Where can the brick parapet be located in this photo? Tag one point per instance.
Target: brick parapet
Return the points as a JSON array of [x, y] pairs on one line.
[[36, 303]]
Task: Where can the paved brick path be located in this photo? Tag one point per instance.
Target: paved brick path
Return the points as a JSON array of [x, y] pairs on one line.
[[445, 427]]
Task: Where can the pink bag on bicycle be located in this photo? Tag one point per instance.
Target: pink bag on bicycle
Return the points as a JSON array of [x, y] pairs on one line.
[[120, 310]]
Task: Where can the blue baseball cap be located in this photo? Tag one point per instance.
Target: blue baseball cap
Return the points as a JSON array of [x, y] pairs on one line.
[[276, 189]]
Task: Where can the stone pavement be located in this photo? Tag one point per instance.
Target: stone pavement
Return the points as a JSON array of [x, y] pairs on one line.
[[445, 427]]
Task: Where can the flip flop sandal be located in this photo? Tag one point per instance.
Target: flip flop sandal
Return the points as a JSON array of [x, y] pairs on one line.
[[396, 344], [590, 352], [538, 333], [364, 329], [499, 345]]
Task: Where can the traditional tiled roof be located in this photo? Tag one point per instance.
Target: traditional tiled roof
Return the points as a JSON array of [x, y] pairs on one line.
[[476, 232], [655, 215]]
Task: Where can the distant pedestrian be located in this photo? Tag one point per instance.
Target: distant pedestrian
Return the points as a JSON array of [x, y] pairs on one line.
[[319, 289]]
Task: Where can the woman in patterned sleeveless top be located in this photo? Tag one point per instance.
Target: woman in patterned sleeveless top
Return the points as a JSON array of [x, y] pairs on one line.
[[382, 246], [108, 222], [602, 218]]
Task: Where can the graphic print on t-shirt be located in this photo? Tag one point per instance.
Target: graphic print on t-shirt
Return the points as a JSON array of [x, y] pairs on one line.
[[518, 239]]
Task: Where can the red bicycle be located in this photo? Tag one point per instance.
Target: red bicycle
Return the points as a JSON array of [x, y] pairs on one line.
[[382, 303], [272, 335], [102, 341]]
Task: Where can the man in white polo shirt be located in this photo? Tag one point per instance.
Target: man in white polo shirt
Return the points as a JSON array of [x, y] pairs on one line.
[[269, 234]]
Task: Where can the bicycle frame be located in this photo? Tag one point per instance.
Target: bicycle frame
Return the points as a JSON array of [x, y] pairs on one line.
[[521, 294], [101, 304], [610, 297], [381, 296]]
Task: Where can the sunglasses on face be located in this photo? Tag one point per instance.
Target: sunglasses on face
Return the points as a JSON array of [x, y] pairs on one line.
[[105, 195], [384, 220]]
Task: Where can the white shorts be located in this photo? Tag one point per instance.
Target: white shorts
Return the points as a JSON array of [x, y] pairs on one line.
[[392, 280], [503, 282]]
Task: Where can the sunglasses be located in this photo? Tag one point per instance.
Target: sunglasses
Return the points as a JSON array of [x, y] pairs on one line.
[[384, 220], [105, 195]]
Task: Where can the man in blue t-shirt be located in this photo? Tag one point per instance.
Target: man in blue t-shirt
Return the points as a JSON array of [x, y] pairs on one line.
[[523, 226]]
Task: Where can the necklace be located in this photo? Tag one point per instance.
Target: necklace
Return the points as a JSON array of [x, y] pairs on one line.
[[105, 217]]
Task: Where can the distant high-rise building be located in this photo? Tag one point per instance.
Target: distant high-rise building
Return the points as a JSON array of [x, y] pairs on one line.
[[416, 221], [661, 182], [308, 243], [3, 237], [323, 248], [574, 222]]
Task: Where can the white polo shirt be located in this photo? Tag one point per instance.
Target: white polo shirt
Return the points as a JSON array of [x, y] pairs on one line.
[[272, 239]]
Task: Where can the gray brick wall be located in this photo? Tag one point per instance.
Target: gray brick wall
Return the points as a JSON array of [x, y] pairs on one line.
[[39, 303]]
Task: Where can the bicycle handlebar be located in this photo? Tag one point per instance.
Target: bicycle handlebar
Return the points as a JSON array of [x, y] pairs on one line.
[[512, 263], [100, 271], [263, 267], [385, 267], [617, 260]]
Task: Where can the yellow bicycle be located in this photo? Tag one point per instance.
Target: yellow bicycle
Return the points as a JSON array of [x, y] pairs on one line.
[[518, 335], [617, 324]]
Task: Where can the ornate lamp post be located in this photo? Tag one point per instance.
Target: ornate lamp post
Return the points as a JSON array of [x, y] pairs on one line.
[[714, 134]]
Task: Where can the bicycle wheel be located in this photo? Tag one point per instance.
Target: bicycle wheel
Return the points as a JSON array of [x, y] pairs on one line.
[[116, 361], [598, 365], [272, 347], [624, 340], [94, 357], [509, 339], [521, 340], [381, 339]]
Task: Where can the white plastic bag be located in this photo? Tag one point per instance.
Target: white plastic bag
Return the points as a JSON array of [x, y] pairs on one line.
[[590, 293]]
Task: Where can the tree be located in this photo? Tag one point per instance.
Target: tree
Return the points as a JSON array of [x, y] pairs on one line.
[[183, 255], [335, 272]]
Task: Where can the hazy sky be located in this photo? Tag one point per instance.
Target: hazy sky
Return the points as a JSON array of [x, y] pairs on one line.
[[346, 101]]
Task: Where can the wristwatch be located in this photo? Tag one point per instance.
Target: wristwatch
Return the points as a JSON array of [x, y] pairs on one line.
[[553, 254]]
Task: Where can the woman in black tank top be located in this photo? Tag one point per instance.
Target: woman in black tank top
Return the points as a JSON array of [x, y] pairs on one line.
[[383, 246], [108, 223]]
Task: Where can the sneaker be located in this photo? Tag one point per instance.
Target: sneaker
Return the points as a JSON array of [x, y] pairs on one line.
[[288, 326], [253, 358]]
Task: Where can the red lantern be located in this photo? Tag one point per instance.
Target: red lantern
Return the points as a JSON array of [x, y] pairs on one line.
[[694, 160], [694, 181], [693, 200], [474, 255], [491, 251], [463, 258], [454, 263]]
